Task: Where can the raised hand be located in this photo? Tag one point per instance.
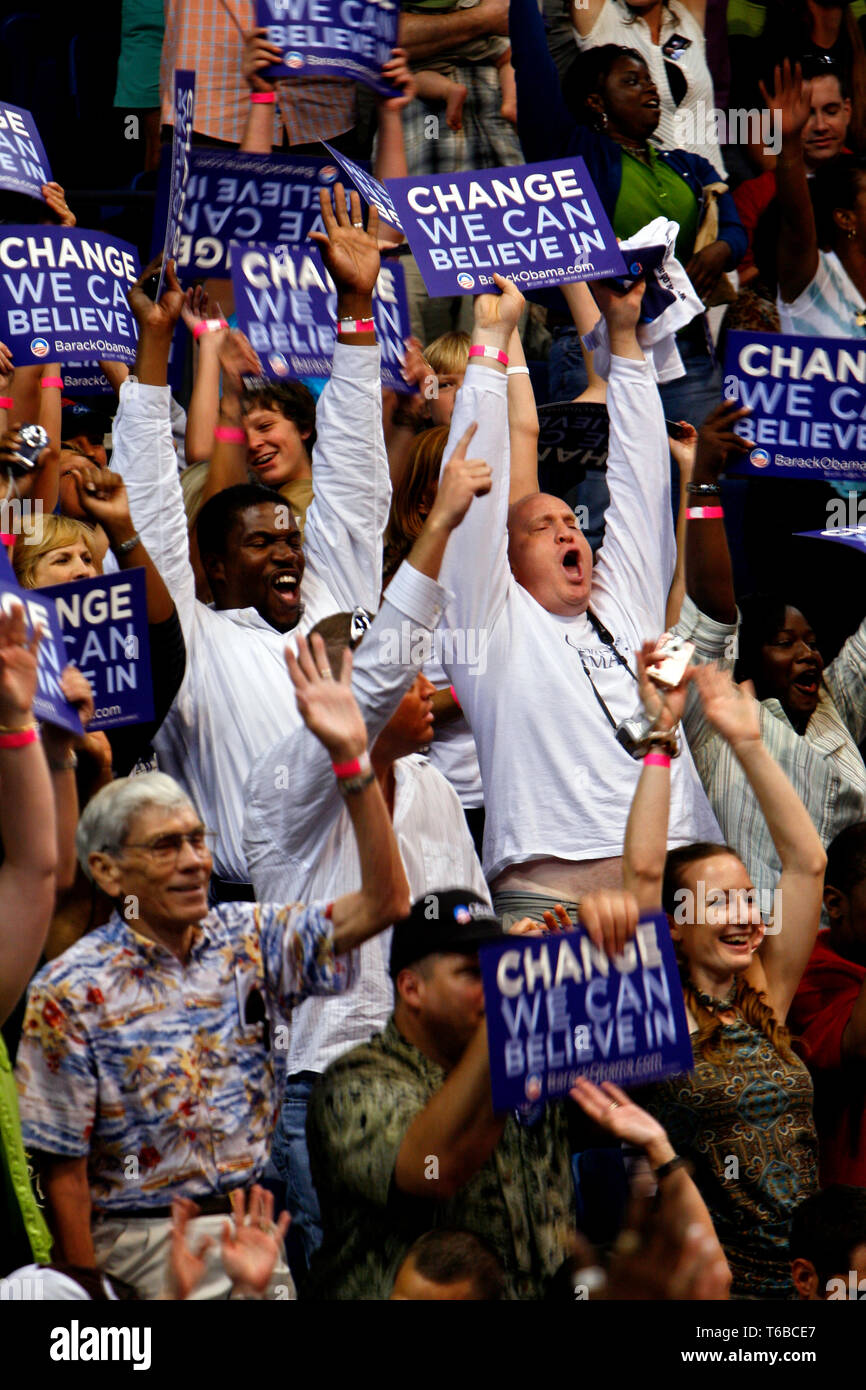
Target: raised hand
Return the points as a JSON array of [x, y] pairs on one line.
[[462, 479], [327, 706], [706, 265], [10, 443], [610, 918], [161, 315], [238, 358], [398, 72], [102, 494], [257, 54], [186, 1267], [664, 707], [251, 1244], [790, 99], [350, 253], [56, 200], [621, 311], [731, 709], [611, 1108], [499, 313], [716, 439], [18, 660]]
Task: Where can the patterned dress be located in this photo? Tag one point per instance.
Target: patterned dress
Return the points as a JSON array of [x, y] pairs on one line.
[[747, 1128]]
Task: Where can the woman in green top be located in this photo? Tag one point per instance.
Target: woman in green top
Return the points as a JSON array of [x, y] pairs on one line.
[[743, 1117]]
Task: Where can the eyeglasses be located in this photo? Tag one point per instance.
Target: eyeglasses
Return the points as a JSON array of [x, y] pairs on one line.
[[165, 849]]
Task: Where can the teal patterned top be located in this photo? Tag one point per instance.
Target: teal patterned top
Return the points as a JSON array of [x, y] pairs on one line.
[[748, 1130]]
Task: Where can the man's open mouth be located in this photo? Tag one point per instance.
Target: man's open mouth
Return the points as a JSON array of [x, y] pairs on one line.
[[285, 584]]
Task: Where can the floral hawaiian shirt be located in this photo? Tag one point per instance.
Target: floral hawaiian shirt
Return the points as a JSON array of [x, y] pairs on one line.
[[161, 1072]]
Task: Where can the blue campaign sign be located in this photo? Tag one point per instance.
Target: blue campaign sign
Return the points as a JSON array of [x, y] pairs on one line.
[[103, 622], [286, 303], [370, 189], [541, 225], [181, 144], [332, 38], [24, 166], [808, 403], [557, 1008], [855, 536], [232, 196], [50, 703], [63, 295]]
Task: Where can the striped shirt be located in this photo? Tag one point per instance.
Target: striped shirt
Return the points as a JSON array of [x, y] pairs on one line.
[[199, 35], [823, 764], [828, 307]]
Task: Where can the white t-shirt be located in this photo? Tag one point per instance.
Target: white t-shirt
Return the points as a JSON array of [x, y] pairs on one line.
[[691, 125], [828, 306], [452, 751], [556, 782]]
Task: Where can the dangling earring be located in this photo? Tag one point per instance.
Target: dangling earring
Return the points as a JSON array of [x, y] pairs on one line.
[[851, 233]]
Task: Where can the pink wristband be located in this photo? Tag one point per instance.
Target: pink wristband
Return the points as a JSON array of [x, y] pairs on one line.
[[704, 513], [19, 740], [357, 767], [657, 760], [493, 353], [208, 326], [6, 539], [230, 434], [263, 98], [356, 326], [6, 402], [52, 381]]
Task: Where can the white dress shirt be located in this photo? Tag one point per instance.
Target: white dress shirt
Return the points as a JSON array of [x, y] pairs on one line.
[[291, 855], [556, 782], [237, 697]]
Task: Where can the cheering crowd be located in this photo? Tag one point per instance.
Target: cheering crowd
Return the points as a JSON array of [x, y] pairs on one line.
[[403, 708]]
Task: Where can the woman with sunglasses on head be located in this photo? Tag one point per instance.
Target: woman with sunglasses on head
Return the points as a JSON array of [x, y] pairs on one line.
[[743, 1116]]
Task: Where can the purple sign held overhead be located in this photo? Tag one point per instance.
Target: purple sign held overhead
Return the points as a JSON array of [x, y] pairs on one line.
[[541, 225], [370, 189], [181, 143], [286, 303], [558, 1008], [63, 295], [24, 166], [231, 196], [332, 38], [104, 625], [50, 704]]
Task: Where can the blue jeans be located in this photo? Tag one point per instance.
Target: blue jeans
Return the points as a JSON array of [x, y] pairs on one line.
[[690, 397], [292, 1161]]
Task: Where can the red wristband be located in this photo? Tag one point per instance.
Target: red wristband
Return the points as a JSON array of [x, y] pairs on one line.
[[52, 381], [493, 353], [357, 767], [263, 98], [208, 326], [6, 402], [704, 513], [230, 434], [356, 326], [19, 739], [6, 538], [657, 760]]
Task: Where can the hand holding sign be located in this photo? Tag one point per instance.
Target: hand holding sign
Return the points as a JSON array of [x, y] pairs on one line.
[[157, 316], [18, 666], [258, 54], [462, 480], [609, 917], [56, 200], [398, 72], [497, 315], [717, 438], [350, 253]]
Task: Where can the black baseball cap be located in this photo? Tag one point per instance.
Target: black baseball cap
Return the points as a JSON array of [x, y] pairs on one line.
[[77, 419], [455, 919]]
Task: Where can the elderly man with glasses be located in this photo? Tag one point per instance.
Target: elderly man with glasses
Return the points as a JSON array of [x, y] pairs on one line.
[[149, 1065]]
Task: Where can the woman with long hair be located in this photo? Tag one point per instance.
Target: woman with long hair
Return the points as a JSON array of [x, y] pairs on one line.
[[743, 1116]]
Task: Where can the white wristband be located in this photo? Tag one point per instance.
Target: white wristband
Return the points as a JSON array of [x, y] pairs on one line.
[[517, 371]]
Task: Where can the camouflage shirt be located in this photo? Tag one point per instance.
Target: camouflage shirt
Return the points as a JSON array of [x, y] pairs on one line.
[[521, 1200]]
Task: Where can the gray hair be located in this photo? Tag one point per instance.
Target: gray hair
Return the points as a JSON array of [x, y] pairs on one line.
[[105, 820]]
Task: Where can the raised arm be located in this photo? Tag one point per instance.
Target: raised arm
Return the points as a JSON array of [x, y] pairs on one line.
[[845, 678], [349, 512], [228, 445], [797, 244], [144, 449], [475, 568], [27, 817], [546, 127], [331, 711], [258, 134], [522, 424], [390, 162], [785, 951], [709, 573]]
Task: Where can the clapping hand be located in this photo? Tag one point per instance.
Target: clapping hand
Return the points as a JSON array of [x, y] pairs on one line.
[[731, 709]]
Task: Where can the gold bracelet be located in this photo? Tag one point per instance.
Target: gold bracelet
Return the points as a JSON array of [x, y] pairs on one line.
[[19, 728]]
